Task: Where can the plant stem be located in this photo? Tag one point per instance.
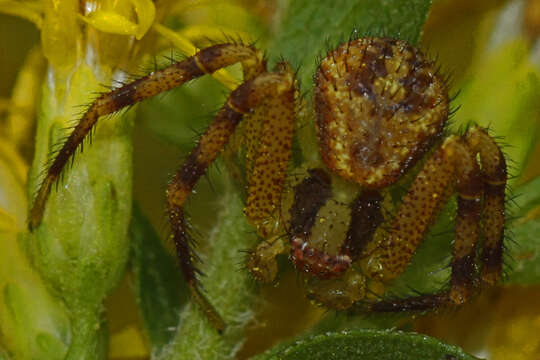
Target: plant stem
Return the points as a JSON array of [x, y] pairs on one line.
[[227, 289]]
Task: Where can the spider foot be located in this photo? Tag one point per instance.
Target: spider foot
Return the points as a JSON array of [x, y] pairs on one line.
[[339, 293], [416, 303], [208, 309], [262, 263]]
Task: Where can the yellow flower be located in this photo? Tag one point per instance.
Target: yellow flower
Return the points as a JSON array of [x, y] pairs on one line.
[[81, 249]]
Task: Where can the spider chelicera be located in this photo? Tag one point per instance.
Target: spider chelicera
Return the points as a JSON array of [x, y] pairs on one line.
[[380, 107]]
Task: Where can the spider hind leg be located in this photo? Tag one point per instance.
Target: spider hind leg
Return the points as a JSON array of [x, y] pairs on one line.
[[481, 211]]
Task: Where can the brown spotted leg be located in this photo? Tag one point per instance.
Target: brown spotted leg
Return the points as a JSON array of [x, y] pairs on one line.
[[205, 61], [243, 100], [469, 188], [493, 216], [267, 157], [267, 137], [453, 164]]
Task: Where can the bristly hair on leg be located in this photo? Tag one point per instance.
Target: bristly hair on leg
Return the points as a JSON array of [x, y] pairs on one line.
[[113, 101]]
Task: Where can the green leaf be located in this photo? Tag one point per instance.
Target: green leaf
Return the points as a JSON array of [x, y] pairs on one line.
[[523, 243], [526, 199], [310, 28], [159, 286], [367, 345], [502, 93]]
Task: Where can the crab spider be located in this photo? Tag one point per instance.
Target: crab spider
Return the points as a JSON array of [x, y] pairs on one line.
[[380, 107]]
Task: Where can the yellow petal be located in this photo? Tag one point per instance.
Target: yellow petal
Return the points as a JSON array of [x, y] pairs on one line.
[[25, 10], [7, 222], [187, 48], [60, 34], [111, 22], [146, 12]]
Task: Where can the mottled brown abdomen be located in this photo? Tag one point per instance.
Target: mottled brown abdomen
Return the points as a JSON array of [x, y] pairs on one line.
[[379, 105]]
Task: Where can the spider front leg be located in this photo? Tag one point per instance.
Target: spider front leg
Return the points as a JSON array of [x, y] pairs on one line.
[[453, 165], [247, 99], [259, 86], [204, 62], [268, 139]]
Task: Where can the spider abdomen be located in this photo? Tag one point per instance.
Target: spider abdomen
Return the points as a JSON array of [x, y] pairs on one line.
[[379, 104]]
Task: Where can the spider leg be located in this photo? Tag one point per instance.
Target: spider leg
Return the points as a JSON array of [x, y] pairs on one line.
[[268, 134], [386, 259], [493, 216], [243, 100], [469, 188], [267, 157], [458, 166], [206, 61]]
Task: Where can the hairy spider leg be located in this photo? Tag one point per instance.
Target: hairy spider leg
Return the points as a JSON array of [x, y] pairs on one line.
[[453, 164], [242, 101], [268, 154], [267, 137], [268, 141], [469, 187], [493, 217], [206, 61]]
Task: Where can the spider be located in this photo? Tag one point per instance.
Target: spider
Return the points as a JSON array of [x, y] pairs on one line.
[[380, 108]]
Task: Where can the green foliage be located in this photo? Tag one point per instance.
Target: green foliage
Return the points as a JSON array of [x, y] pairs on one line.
[[310, 28], [183, 113], [367, 345], [501, 93], [159, 286], [523, 239]]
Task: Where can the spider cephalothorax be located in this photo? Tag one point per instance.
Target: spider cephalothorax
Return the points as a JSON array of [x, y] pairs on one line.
[[380, 106]]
